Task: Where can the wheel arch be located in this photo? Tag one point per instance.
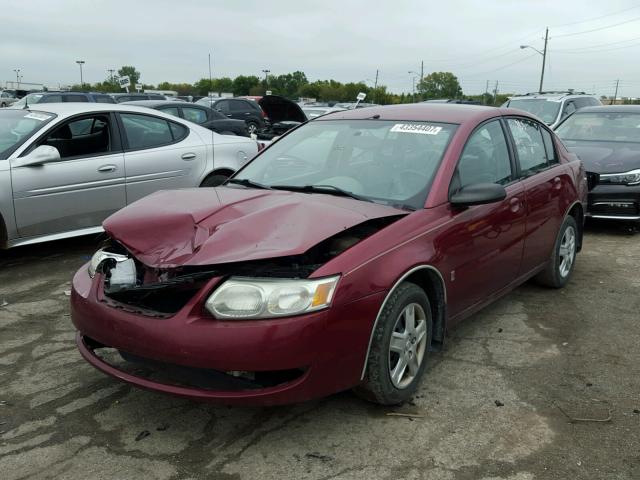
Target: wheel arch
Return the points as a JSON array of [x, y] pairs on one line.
[[218, 171], [576, 210], [429, 279]]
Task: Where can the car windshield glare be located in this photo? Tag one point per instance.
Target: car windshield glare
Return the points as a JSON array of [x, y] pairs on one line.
[[602, 127], [16, 126], [546, 110], [388, 162]]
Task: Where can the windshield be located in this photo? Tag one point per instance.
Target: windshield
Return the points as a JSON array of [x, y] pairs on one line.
[[31, 98], [389, 162], [547, 110], [16, 126]]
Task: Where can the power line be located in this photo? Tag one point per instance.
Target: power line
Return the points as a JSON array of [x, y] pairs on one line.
[[597, 29], [595, 46], [579, 52], [600, 17], [505, 66]]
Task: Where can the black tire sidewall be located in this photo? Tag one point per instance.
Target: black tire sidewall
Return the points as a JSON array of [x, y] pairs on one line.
[[214, 181], [378, 380], [558, 279]]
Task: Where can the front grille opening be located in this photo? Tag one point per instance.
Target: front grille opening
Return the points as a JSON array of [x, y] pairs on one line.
[[615, 208], [190, 377]]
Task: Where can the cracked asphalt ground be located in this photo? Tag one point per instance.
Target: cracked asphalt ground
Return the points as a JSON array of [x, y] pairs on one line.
[[490, 407]]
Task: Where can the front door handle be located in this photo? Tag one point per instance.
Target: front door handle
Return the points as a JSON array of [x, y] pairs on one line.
[[515, 203], [107, 168], [188, 156], [557, 183]]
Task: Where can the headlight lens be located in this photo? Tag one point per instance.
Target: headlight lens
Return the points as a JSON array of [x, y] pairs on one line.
[[628, 178], [100, 256], [267, 298]]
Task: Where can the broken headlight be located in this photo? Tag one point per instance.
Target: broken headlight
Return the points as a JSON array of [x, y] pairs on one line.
[[100, 256], [239, 297]]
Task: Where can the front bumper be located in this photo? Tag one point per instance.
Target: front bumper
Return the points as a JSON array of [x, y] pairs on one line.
[[327, 348], [614, 202]]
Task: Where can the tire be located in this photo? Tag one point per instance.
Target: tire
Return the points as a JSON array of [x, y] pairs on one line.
[[563, 258], [3, 105], [252, 127], [380, 384], [214, 180]]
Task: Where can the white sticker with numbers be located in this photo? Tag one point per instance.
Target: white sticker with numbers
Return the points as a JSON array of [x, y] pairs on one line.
[[416, 128]]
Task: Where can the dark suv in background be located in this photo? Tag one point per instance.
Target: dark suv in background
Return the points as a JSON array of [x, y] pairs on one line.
[[59, 97], [239, 109], [552, 107]]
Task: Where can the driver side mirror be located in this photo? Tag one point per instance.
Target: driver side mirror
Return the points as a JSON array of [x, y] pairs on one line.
[[39, 156], [478, 194]]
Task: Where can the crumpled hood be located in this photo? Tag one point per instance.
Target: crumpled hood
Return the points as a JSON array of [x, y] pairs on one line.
[[207, 226], [606, 157]]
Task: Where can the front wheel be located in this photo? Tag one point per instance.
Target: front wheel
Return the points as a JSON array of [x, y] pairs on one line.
[[399, 347], [562, 261]]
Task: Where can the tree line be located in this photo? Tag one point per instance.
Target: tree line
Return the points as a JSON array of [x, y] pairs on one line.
[[295, 85]]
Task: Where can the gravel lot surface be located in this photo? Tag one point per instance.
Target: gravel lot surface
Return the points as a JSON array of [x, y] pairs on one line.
[[496, 404]]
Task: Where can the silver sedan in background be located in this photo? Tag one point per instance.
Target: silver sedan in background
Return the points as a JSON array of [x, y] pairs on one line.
[[65, 167]]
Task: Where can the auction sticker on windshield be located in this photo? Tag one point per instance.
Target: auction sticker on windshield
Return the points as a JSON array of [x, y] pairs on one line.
[[416, 128]]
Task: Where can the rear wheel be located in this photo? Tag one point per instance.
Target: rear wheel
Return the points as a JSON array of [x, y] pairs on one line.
[[252, 127], [562, 261], [214, 180], [399, 347]]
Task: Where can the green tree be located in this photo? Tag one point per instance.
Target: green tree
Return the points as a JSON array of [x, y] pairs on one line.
[[439, 85], [243, 84], [131, 72]]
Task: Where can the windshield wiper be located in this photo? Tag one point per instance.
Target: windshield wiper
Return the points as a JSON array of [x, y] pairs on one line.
[[247, 183], [328, 189]]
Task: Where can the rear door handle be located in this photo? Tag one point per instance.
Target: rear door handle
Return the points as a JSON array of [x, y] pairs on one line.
[[107, 168], [557, 183], [188, 156]]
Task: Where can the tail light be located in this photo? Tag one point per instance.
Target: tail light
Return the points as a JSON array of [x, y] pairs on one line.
[[261, 146]]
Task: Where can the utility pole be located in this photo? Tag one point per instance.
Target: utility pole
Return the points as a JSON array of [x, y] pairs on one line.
[[80, 62], [615, 95], [375, 86], [421, 70], [495, 93], [544, 57], [210, 79], [266, 78], [486, 92], [17, 70], [111, 70]]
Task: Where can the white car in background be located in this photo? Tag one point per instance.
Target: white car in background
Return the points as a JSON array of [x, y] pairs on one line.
[[65, 167]]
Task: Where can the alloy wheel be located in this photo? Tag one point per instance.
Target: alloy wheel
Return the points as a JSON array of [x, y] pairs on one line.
[[567, 252], [408, 345]]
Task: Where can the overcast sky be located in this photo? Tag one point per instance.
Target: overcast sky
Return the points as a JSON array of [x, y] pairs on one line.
[[345, 40]]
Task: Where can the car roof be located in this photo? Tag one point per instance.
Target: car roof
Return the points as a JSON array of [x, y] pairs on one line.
[[74, 108], [151, 103], [552, 95], [611, 109], [434, 112]]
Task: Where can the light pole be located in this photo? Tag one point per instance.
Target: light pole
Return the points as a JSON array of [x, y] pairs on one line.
[[544, 56], [266, 78], [416, 75], [17, 70], [80, 62]]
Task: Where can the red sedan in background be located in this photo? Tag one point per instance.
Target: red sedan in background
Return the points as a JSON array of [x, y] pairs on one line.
[[337, 258]]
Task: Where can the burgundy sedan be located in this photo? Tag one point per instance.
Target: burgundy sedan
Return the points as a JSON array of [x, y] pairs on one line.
[[336, 259]]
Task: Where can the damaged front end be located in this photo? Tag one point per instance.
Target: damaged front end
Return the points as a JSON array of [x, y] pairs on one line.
[[132, 286]]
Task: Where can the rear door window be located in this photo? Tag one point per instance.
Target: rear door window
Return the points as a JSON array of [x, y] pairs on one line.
[[75, 98], [144, 131], [194, 115], [222, 106], [239, 106], [529, 144], [51, 99]]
